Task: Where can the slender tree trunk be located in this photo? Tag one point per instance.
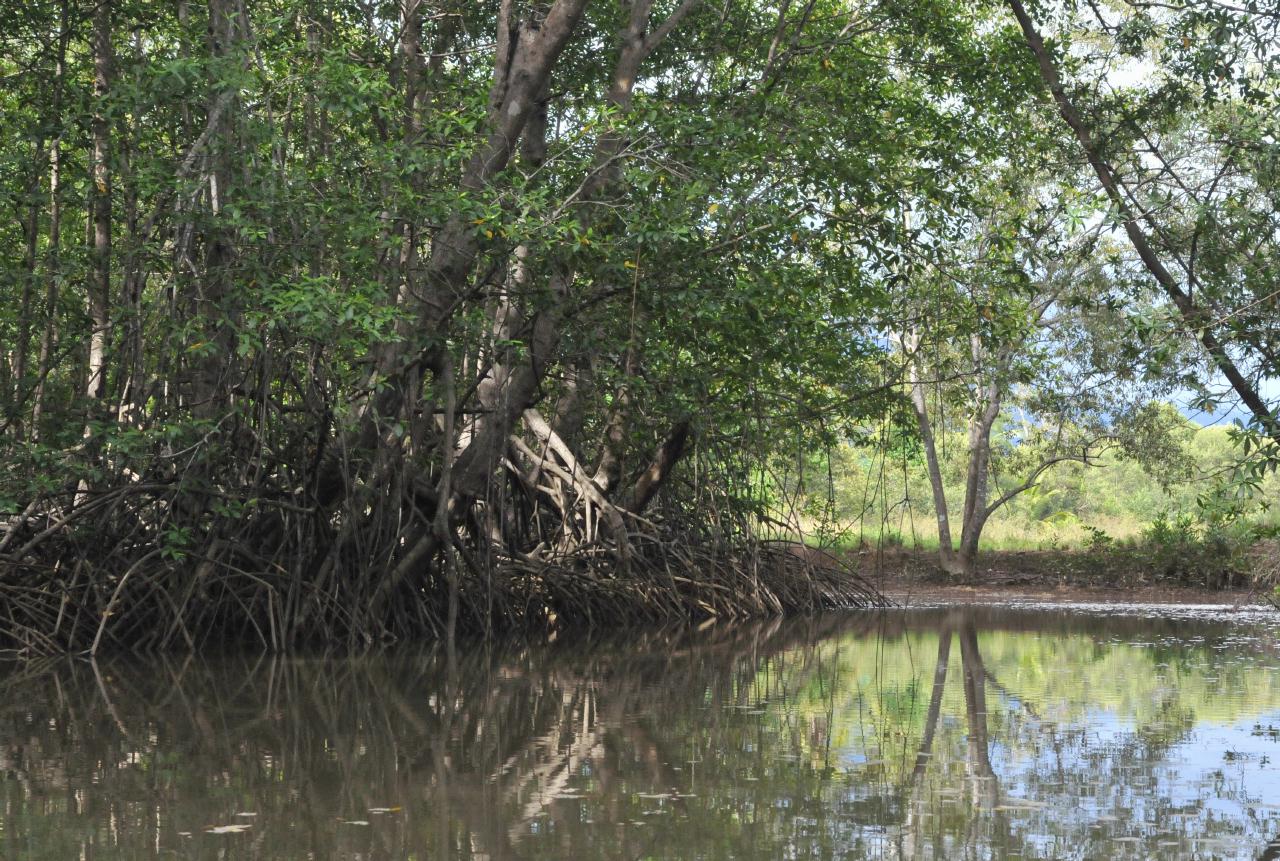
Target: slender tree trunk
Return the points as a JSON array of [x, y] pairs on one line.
[[53, 259], [412, 65], [1195, 319], [212, 383], [915, 379], [961, 561], [129, 354], [100, 206], [22, 349], [615, 437]]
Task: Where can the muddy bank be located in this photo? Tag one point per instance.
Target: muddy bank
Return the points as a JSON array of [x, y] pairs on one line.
[[913, 577]]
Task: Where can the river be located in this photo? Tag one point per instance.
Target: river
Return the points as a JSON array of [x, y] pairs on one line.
[[1028, 732]]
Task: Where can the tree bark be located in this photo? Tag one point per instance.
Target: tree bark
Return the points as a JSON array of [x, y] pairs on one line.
[[526, 52], [129, 350], [657, 473], [979, 470], [609, 469], [516, 388]]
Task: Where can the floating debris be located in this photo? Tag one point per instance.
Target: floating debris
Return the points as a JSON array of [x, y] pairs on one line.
[[234, 828]]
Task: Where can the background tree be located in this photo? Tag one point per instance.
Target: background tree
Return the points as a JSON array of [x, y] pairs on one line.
[[1002, 327], [1182, 155]]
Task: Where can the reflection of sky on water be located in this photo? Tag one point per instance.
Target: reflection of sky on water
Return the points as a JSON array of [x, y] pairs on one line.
[[1200, 781], [1224, 773]]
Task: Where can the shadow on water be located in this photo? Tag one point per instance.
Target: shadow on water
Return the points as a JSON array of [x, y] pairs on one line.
[[950, 733]]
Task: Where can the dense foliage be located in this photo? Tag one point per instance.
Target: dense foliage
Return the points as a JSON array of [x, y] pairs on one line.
[[365, 320], [883, 494]]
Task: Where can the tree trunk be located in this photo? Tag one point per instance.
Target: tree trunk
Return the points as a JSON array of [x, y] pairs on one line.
[[915, 379], [100, 197], [516, 387], [22, 350], [979, 473], [129, 352], [664, 461], [609, 469], [961, 561], [53, 260], [525, 53], [213, 381]]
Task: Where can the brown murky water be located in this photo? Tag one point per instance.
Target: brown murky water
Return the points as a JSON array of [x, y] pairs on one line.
[[977, 732]]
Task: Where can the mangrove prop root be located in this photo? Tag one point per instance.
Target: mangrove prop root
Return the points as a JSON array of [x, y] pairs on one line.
[[89, 583]]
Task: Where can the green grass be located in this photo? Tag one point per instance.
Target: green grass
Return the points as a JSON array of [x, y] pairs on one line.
[[1063, 533]]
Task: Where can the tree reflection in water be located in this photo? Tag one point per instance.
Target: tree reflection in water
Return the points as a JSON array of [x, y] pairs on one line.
[[1051, 735]]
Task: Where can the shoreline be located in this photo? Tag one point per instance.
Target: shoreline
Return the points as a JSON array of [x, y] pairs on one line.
[[908, 593], [1046, 577]]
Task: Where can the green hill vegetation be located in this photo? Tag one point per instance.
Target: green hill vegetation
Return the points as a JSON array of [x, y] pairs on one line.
[[868, 494]]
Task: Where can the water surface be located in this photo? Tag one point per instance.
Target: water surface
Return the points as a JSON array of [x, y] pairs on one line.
[[1015, 732]]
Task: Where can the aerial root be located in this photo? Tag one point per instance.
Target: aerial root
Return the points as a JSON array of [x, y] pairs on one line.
[[125, 571]]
